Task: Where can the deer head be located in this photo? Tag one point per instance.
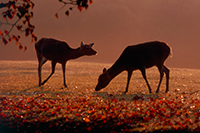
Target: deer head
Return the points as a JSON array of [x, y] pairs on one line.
[[87, 49], [103, 81]]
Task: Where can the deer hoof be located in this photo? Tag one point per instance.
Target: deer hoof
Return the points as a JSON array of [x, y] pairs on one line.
[[124, 92], [65, 86]]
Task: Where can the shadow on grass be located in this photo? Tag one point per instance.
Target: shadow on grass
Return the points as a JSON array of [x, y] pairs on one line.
[[126, 97], [36, 90]]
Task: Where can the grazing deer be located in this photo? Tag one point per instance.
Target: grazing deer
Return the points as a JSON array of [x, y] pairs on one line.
[[140, 57], [58, 52]]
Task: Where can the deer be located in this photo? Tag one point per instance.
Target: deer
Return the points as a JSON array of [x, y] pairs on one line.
[[138, 57], [59, 52]]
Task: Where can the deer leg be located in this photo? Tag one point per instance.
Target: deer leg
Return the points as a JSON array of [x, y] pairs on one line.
[[63, 68], [167, 71], [144, 76], [41, 61], [53, 70], [128, 80], [161, 76]]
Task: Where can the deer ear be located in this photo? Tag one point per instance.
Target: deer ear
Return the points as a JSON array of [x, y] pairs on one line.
[[91, 44], [82, 43], [104, 70]]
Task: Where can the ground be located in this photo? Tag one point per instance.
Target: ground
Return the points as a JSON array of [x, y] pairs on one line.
[[54, 107]]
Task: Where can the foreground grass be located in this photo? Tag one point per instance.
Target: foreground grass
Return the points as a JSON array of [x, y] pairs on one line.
[[25, 107]]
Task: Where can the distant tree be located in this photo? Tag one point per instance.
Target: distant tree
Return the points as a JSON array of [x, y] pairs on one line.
[[18, 13]]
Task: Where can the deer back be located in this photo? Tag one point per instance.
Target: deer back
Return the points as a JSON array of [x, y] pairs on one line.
[[144, 55], [53, 49]]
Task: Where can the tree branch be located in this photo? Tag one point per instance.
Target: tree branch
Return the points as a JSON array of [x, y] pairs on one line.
[[19, 9]]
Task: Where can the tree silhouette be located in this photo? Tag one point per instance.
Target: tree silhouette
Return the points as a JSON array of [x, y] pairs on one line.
[[80, 4], [18, 13]]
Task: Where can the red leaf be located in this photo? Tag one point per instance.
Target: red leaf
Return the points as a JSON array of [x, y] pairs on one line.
[[88, 128], [103, 117], [4, 115], [6, 32], [10, 39], [86, 7], [24, 22], [87, 120], [14, 37], [24, 121], [141, 125], [32, 4], [58, 108], [91, 1], [56, 15], [53, 113], [4, 103], [67, 13], [35, 38], [14, 6], [20, 46], [80, 8], [27, 31], [1, 34], [25, 48], [19, 27], [4, 41]]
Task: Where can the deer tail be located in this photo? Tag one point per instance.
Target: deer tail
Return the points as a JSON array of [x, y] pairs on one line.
[[171, 53]]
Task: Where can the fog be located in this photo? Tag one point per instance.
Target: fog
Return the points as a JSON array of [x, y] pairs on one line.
[[112, 25]]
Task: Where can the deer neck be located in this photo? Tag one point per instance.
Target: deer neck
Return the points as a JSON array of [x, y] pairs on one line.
[[75, 53], [116, 69]]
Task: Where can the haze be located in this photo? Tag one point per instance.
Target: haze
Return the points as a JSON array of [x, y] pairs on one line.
[[114, 24]]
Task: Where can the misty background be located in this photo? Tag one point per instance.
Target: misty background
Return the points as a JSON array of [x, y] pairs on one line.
[[112, 25]]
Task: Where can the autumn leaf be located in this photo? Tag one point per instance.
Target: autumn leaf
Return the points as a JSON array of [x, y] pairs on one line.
[[56, 15], [89, 128], [86, 7], [10, 39], [6, 32], [91, 1], [92, 112], [4, 41], [67, 13], [20, 46], [27, 31], [87, 120], [19, 27], [80, 8], [25, 48]]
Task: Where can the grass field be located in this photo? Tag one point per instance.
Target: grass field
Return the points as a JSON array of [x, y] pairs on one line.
[[25, 106]]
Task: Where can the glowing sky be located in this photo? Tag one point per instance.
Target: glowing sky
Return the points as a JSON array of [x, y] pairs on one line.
[[114, 24]]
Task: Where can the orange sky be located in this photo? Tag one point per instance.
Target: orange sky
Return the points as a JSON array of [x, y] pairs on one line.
[[112, 25]]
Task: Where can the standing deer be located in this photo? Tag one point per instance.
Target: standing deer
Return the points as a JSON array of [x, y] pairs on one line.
[[58, 52], [140, 57]]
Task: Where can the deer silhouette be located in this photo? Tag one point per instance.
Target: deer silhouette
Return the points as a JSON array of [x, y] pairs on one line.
[[140, 57], [59, 52]]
